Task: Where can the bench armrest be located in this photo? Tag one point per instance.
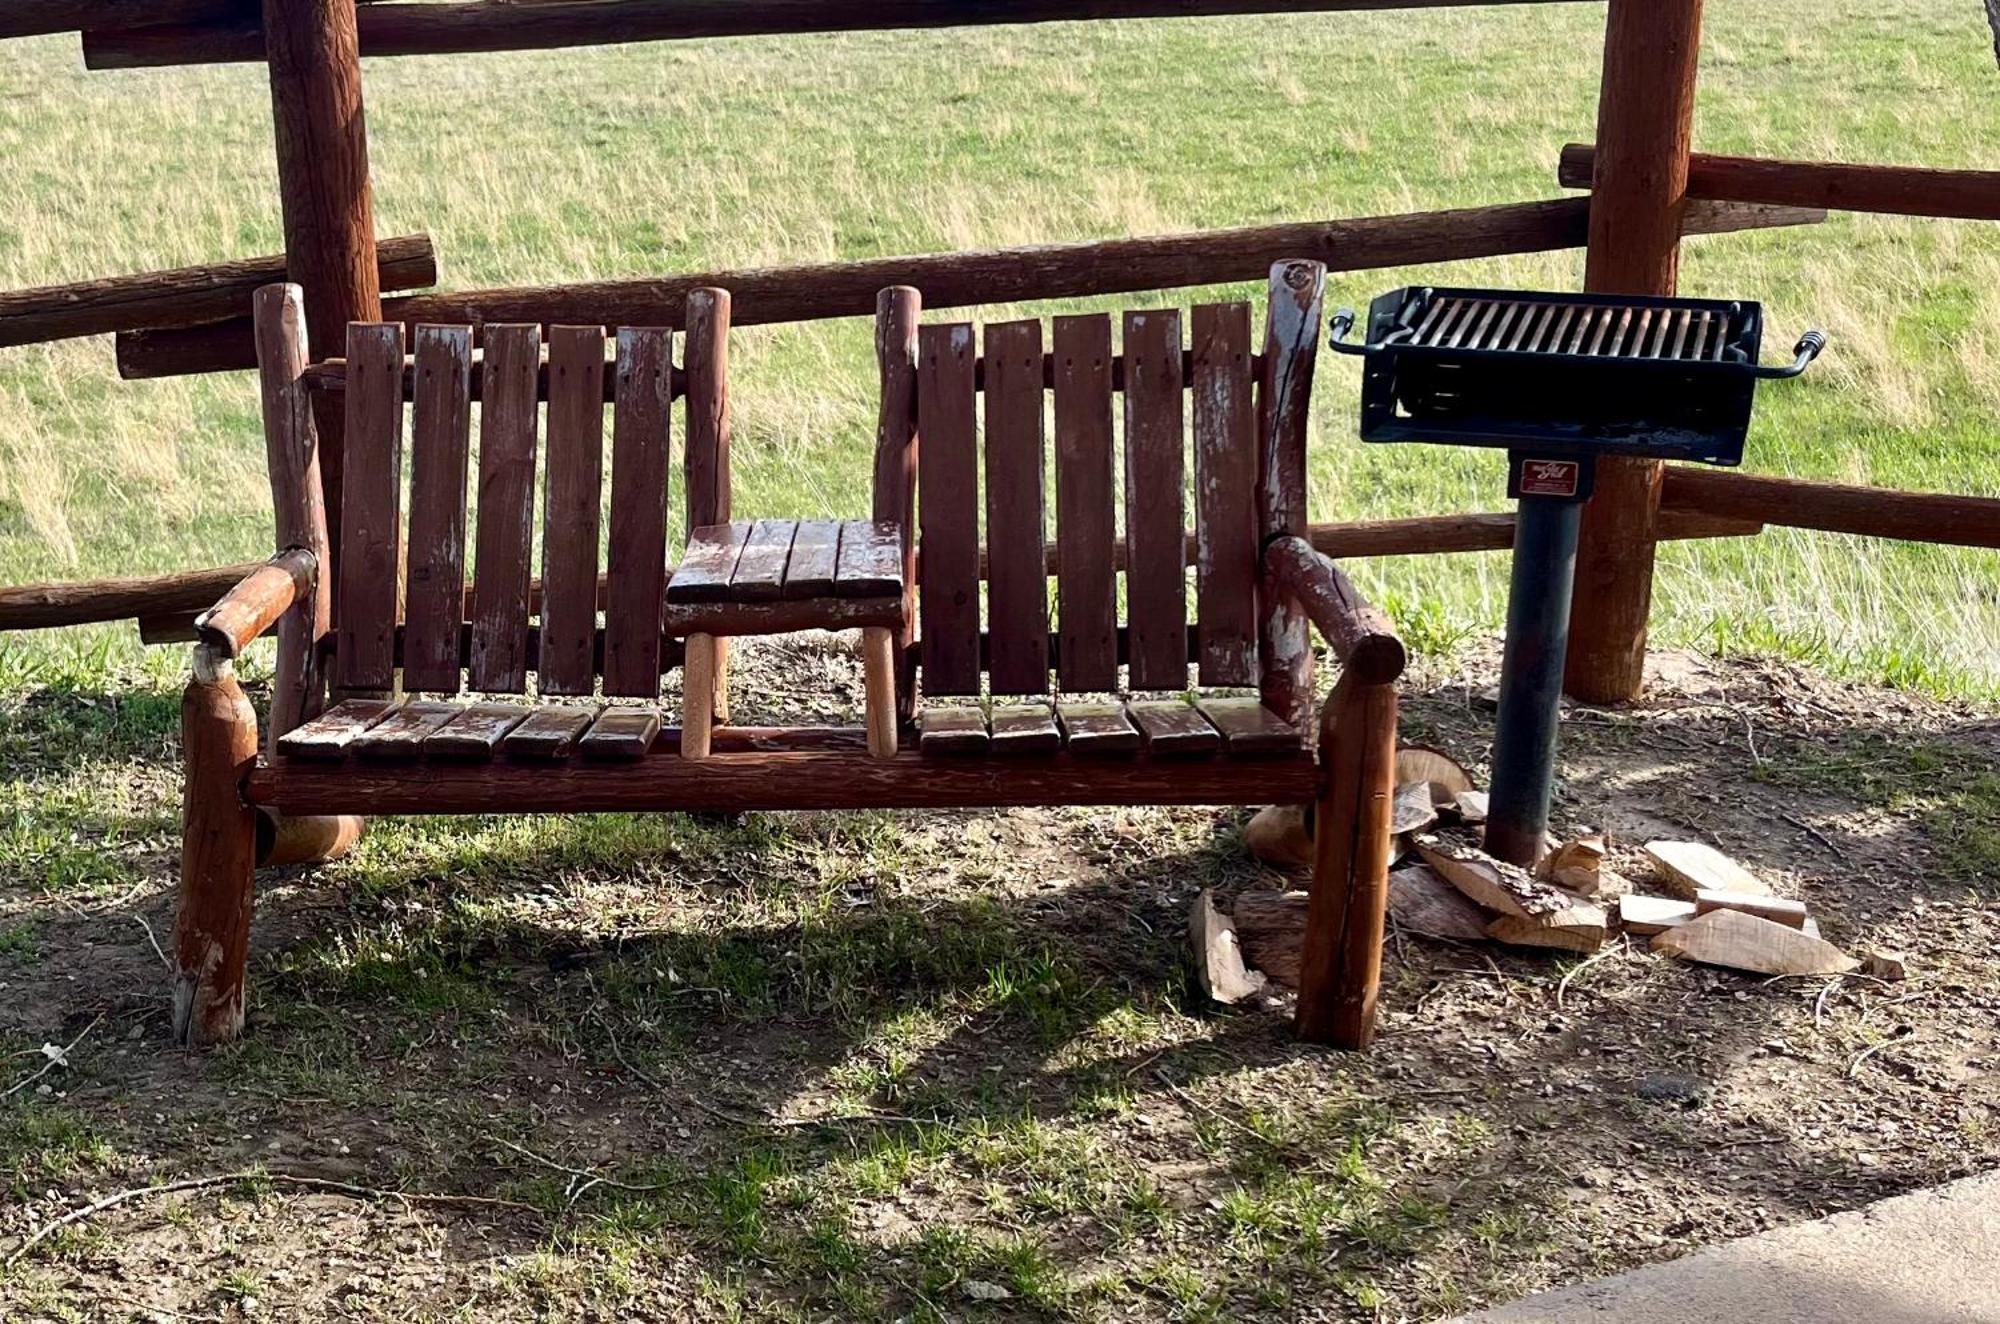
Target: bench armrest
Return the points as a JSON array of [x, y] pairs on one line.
[[1359, 634], [256, 602]]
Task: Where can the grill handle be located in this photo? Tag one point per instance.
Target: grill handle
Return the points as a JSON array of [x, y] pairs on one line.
[[1808, 348], [1341, 323]]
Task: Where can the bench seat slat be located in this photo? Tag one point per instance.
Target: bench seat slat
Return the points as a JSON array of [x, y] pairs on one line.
[[328, 735], [870, 562], [549, 734], [400, 735], [1249, 729], [476, 732], [759, 575], [621, 733], [1097, 729], [1173, 728], [1026, 729], [709, 563], [815, 557]]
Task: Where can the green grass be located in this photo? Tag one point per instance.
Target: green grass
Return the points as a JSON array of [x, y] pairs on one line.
[[632, 161]]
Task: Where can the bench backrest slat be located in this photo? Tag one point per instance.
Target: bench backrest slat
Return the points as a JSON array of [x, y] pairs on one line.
[[434, 595], [1225, 469], [637, 558], [948, 484], [1155, 528], [371, 531], [1017, 586], [501, 557], [570, 510], [1086, 581]]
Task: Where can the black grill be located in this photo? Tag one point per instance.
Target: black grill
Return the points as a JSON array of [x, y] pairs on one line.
[[1563, 373]]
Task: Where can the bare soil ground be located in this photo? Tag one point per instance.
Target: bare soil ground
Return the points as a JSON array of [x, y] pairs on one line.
[[944, 1066]]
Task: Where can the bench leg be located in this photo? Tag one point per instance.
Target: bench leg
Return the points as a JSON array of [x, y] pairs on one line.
[[218, 856], [878, 667], [1340, 965], [697, 695]]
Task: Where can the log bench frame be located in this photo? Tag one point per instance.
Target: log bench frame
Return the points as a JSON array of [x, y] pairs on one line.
[[242, 809]]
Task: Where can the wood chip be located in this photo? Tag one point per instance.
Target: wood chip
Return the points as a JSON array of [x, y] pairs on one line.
[[1413, 810], [1470, 806], [1494, 884], [1892, 966], [1218, 957], [1687, 867], [1647, 915], [1744, 942]]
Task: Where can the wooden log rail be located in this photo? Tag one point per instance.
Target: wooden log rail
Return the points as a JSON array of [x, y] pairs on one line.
[[507, 25], [255, 604], [1836, 186], [168, 603], [186, 296], [1008, 275], [1359, 634], [1930, 517]]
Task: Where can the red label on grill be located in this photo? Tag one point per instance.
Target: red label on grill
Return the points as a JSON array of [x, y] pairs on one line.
[[1553, 478]]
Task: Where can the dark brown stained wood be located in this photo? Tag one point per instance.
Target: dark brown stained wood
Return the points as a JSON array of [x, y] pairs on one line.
[[815, 557], [440, 438], [767, 295], [298, 505], [707, 460], [1225, 475], [1249, 728], [948, 507], [138, 597], [1155, 528], [312, 54], [814, 779], [548, 733], [116, 41], [328, 735], [1086, 588], [189, 296], [742, 618], [1028, 728], [218, 860], [897, 311], [1935, 517], [1645, 123], [1171, 728], [1284, 397], [870, 562], [952, 731], [476, 732], [401, 733], [255, 604], [570, 510], [1097, 730], [371, 538], [621, 733], [710, 563], [1972, 195], [1358, 632], [31, 18], [501, 566], [1017, 589], [760, 569], [637, 560]]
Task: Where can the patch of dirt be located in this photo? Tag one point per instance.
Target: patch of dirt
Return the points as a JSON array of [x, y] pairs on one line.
[[1510, 1133]]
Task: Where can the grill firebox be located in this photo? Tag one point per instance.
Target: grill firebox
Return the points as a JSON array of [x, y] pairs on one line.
[[1563, 373]]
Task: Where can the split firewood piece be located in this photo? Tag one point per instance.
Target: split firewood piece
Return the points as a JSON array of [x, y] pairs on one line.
[[1577, 864], [1581, 928], [1445, 775], [1644, 916], [1271, 931], [1423, 903], [1533, 913], [1892, 966], [1279, 836], [1781, 910], [1470, 806], [1744, 942], [1687, 867], [1218, 955], [1413, 810]]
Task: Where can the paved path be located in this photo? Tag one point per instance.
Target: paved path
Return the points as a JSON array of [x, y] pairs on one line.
[[1928, 1258]]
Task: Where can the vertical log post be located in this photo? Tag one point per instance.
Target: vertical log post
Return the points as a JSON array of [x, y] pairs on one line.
[[218, 855], [1340, 965], [291, 446], [1291, 344], [897, 311], [1645, 116], [323, 188], [708, 480]]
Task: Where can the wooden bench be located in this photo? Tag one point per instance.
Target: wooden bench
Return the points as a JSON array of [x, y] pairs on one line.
[[1164, 709]]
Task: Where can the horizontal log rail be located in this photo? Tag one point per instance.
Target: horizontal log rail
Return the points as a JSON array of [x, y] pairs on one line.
[[186, 296], [1930, 517], [256, 603], [781, 780], [166, 604], [1006, 275], [1358, 632], [510, 25], [1836, 186]]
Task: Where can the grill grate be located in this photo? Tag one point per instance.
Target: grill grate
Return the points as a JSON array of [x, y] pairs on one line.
[[1595, 330]]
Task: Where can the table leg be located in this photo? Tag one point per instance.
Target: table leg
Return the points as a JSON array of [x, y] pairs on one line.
[[878, 664]]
